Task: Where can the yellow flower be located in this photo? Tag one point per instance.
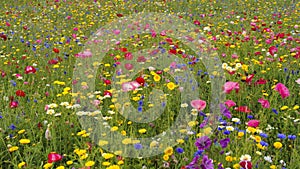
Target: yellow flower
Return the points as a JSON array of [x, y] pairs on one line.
[[106, 163], [168, 151], [180, 141], [236, 166], [296, 107], [273, 166], [89, 163], [156, 78], [13, 148], [21, 131], [260, 146], [47, 165], [107, 155], [171, 86], [240, 134], [257, 139], [166, 157], [69, 162], [277, 145], [127, 141], [114, 128], [284, 107], [142, 131], [120, 162], [24, 141], [102, 142], [113, 167], [21, 164], [228, 158], [60, 167]]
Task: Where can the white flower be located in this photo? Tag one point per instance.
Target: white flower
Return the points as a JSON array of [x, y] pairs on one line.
[[268, 159], [184, 105], [52, 105], [48, 134], [224, 65], [50, 111], [245, 157], [111, 112], [64, 104], [229, 128], [236, 120], [76, 106]]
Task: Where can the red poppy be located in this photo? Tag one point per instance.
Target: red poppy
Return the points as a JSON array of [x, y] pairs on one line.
[[107, 93], [260, 81], [273, 50], [244, 109], [54, 157], [52, 62], [3, 36], [140, 80], [249, 78], [119, 15], [173, 51], [246, 164], [107, 82], [196, 22], [279, 22], [20, 93], [55, 50], [30, 69], [123, 49]]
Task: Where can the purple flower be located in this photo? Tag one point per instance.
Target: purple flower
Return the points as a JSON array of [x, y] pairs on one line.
[[138, 146], [206, 163], [225, 111], [203, 143], [224, 142], [194, 164]]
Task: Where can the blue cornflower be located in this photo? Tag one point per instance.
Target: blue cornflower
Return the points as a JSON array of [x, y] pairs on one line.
[[292, 137], [179, 150], [281, 136], [264, 135]]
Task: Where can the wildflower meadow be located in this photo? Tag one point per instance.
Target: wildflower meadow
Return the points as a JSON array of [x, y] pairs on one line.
[[123, 84]]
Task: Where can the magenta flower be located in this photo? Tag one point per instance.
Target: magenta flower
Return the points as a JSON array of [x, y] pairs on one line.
[[264, 103], [283, 90], [229, 86], [230, 103], [253, 123]]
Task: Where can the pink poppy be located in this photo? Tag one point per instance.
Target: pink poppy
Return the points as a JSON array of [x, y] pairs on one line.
[[253, 123], [129, 86], [229, 86], [54, 157], [298, 81], [198, 104], [230, 103], [283, 90], [264, 103]]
